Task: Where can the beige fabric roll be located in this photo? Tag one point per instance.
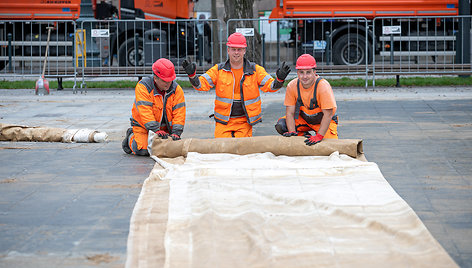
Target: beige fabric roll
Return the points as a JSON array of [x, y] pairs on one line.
[[278, 145], [10, 132]]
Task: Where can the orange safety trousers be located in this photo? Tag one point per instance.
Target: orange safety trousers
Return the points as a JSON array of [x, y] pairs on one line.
[[138, 141], [302, 126], [236, 128]]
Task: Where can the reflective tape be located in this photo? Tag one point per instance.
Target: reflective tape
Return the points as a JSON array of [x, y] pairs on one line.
[[147, 103], [208, 78], [249, 102], [225, 100], [178, 105]]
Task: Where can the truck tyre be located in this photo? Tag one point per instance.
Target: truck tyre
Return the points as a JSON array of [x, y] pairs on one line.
[[127, 53], [350, 49]]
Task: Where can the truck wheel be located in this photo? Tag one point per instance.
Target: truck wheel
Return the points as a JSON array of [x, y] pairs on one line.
[[350, 49], [127, 53]]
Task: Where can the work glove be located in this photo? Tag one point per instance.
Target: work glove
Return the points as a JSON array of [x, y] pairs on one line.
[[314, 139], [282, 72], [162, 134], [189, 67], [175, 137], [290, 133]]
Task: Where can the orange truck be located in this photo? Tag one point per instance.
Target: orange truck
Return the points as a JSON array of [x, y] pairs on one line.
[[123, 37], [347, 39]]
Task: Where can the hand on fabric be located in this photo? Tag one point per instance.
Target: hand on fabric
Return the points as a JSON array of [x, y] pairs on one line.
[[314, 139], [189, 67], [175, 137], [290, 133], [162, 134], [282, 72]]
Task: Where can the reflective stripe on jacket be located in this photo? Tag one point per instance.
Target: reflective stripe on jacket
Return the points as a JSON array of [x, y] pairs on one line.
[[254, 78], [148, 105]]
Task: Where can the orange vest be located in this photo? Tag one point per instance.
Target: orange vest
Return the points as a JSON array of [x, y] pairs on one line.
[[254, 78], [147, 111], [312, 113]]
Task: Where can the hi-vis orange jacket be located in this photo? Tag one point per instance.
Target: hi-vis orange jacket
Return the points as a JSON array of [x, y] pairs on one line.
[[254, 78], [148, 106]]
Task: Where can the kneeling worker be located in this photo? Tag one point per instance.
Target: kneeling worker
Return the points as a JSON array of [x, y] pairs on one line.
[[159, 106], [310, 105]]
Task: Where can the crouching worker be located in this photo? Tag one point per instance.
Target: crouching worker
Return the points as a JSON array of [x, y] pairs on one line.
[[310, 105], [159, 106]]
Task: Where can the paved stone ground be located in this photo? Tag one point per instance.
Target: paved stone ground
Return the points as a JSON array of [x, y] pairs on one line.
[[69, 205]]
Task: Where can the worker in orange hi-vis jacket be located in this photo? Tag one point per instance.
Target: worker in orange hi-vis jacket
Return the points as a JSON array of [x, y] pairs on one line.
[[237, 82], [159, 107], [310, 105]]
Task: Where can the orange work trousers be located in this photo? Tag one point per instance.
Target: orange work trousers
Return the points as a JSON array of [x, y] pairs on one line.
[[138, 141], [302, 126], [236, 128]]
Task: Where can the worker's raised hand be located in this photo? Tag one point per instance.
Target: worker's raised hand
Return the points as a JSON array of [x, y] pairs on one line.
[[189, 67], [290, 133], [175, 137], [282, 72], [162, 134], [314, 139]]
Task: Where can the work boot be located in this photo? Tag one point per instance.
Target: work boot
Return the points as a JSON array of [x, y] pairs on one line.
[[125, 143]]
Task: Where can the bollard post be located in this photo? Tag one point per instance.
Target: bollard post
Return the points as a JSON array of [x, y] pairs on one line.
[[10, 51]]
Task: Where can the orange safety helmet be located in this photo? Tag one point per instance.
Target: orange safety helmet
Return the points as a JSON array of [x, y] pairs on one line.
[[306, 61], [236, 40], [164, 69]]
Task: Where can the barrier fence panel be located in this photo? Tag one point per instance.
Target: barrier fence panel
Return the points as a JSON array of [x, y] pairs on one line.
[[340, 45], [433, 45], [130, 47], [23, 47]]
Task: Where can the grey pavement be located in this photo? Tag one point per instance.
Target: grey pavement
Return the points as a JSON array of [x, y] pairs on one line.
[[69, 205]]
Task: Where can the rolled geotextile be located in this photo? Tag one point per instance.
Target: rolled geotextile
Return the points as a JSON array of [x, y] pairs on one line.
[[278, 145], [10, 132]]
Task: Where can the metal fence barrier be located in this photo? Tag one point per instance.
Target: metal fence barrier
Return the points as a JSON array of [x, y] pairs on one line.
[[130, 47], [328, 40], [23, 47], [434, 45]]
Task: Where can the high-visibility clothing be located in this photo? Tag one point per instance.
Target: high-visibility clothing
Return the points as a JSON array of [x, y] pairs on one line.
[[301, 126], [309, 104], [148, 110], [254, 78], [236, 128]]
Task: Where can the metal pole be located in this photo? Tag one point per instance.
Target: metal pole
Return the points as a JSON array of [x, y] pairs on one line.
[[136, 49], [463, 42], [10, 51], [278, 43], [263, 49], [328, 48]]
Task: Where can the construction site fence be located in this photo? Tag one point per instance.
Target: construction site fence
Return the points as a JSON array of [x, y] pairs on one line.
[[343, 47]]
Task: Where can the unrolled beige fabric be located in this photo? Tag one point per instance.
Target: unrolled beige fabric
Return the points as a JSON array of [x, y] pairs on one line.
[[278, 145], [262, 210]]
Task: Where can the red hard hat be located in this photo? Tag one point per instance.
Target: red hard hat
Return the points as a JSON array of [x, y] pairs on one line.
[[236, 40], [164, 69], [306, 61]]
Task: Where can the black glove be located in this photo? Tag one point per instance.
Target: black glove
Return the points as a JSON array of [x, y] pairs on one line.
[[290, 133], [282, 72], [314, 139], [162, 134], [189, 67], [175, 137]]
